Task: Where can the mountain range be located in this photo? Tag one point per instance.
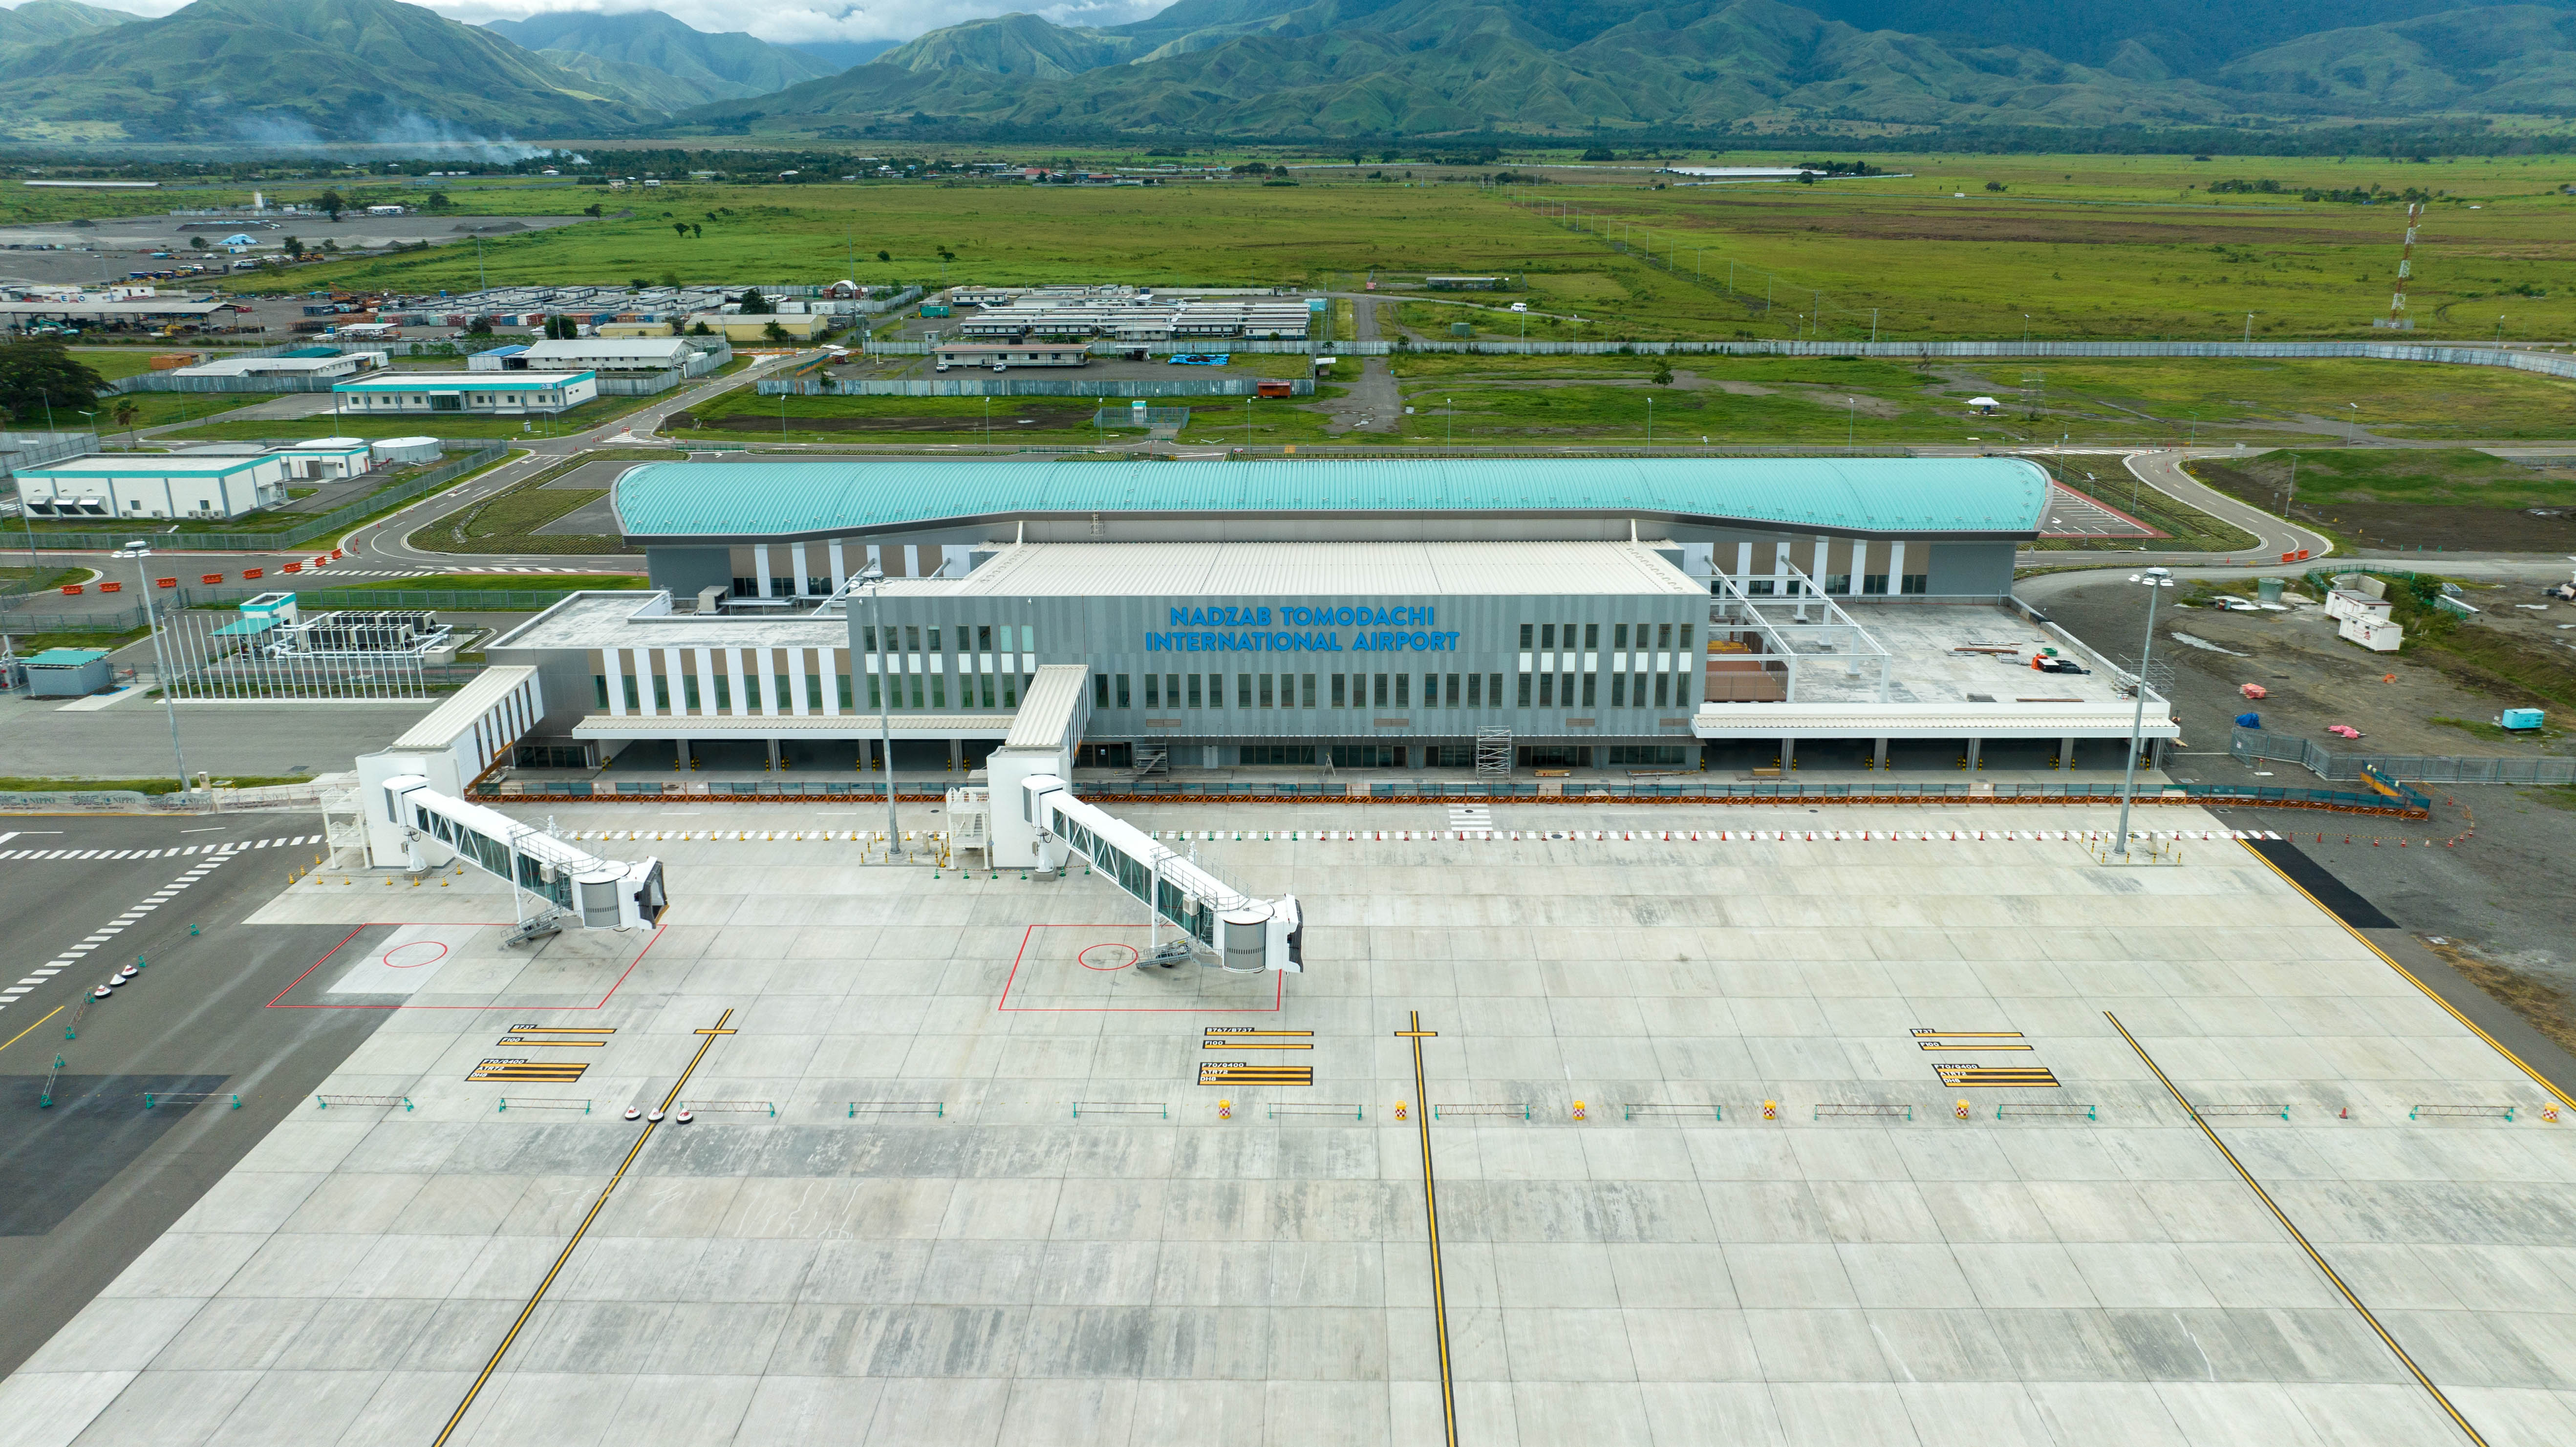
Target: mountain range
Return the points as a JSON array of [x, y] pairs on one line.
[[281, 71], [1349, 68], [649, 58]]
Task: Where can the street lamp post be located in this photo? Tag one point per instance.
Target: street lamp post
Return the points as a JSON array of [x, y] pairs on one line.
[[2356, 422], [2025, 329], [139, 552], [873, 579], [1851, 421], [2152, 580]]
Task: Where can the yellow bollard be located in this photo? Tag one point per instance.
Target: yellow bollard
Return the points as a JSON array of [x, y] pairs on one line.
[[1770, 1110], [1225, 1110], [1960, 1110], [1578, 1110]]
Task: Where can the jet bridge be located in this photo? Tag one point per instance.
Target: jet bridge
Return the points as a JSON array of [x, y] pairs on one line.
[[406, 814], [1245, 934], [438, 829]]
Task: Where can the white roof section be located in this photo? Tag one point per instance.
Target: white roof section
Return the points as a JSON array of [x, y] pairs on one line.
[[622, 618], [150, 464], [1047, 709], [1305, 570], [588, 349], [442, 726], [464, 381], [287, 366]]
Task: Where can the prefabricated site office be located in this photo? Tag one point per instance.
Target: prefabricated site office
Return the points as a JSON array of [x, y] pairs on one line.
[[1368, 614]]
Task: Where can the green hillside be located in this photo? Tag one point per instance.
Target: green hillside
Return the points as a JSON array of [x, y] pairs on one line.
[[1014, 45], [713, 66], [1342, 68], [44, 22], [281, 70]]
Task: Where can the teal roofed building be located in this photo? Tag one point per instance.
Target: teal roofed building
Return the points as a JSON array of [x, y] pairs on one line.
[[1577, 613], [1951, 497]]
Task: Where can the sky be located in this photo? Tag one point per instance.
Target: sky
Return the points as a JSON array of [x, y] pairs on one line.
[[785, 21]]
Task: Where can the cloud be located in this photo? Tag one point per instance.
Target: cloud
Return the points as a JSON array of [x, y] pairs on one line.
[[797, 20]]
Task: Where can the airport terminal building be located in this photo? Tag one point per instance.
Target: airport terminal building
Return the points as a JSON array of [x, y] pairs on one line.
[[1417, 615]]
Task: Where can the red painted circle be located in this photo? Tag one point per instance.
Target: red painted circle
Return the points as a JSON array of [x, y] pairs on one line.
[[1106, 957], [414, 955]]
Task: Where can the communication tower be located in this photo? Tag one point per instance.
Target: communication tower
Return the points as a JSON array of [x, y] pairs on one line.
[[2398, 320]]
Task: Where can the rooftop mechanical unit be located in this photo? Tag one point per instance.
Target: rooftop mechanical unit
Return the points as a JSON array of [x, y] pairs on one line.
[[404, 630]]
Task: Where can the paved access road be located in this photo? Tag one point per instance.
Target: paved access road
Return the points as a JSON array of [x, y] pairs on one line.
[[90, 1181], [382, 544]]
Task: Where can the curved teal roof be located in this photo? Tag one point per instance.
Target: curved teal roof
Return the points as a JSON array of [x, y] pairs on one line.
[[714, 501]]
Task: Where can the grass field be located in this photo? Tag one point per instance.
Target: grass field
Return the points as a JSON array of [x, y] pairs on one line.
[[1766, 399], [742, 415], [2088, 246], [36, 580], [507, 521], [413, 424], [37, 784], [2436, 498]]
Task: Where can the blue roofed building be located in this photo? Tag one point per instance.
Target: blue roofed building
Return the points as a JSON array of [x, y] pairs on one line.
[[1585, 613]]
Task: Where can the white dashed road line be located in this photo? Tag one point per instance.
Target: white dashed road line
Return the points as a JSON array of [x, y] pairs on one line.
[[214, 857], [175, 852]]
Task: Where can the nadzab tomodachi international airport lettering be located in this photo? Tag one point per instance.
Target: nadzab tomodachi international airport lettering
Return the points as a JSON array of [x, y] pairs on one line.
[[1301, 628]]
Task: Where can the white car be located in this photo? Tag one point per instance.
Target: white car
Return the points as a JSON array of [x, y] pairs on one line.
[[1520, 306]]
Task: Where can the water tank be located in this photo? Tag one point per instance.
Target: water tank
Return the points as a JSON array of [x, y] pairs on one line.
[[1240, 936], [407, 449]]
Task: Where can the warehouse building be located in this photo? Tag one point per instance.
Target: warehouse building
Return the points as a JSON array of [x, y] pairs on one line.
[[154, 485], [1363, 615], [331, 366], [502, 394]]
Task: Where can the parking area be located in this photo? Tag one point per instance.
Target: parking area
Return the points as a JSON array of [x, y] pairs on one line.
[[1743, 1136]]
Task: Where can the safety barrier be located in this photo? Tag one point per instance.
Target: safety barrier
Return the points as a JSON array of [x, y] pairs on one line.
[[1661, 1108], [2476, 1112], [1122, 1107], [1833, 1111], [325, 1102], [155, 1099], [2262, 744], [899, 1107], [2045, 1109], [544, 1102], [733, 1107], [2246, 1108]]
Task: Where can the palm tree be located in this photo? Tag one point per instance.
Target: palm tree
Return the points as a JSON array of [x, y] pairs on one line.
[[125, 412]]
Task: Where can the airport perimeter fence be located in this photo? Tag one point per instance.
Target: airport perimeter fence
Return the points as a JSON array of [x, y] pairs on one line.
[[2544, 363], [288, 539], [1532, 791], [2261, 744], [1034, 387], [34, 449], [263, 382]]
